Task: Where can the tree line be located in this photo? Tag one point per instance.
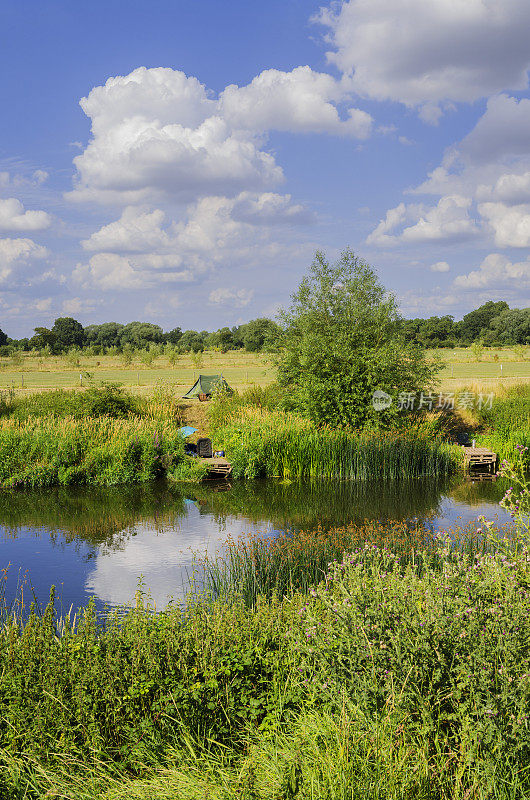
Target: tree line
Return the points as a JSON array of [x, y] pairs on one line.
[[67, 333], [492, 324]]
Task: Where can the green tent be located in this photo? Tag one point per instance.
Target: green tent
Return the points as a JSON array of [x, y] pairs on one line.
[[206, 384]]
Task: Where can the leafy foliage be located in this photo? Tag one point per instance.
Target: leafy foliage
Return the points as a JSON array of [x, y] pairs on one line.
[[341, 341], [100, 451]]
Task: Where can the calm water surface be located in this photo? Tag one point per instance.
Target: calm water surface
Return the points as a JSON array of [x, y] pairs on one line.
[[100, 542]]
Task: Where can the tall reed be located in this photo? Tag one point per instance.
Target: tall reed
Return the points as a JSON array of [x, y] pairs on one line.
[[103, 451], [261, 443]]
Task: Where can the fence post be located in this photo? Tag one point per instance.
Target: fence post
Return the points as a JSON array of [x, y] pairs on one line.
[[80, 379]]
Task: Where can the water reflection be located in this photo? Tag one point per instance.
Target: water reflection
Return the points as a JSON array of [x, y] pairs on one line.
[[100, 541]]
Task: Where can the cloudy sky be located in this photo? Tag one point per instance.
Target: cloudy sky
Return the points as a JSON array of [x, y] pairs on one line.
[[167, 157]]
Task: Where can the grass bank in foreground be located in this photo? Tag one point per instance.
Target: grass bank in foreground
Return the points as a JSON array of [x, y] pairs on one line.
[[263, 443], [403, 674]]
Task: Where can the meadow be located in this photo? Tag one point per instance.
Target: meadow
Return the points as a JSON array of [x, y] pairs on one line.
[[29, 372]]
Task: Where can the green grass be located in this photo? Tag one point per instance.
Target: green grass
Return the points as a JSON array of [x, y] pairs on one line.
[[507, 423], [405, 674], [240, 369]]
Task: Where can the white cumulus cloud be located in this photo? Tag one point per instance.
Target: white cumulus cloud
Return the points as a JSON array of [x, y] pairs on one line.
[[15, 253], [440, 266], [299, 101], [144, 248], [426, 52], [159, 133], [237, 298], [497, 272], [510, 224], [449, 220], [13, 217]]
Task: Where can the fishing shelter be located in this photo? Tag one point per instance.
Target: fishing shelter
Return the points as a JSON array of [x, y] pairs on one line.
[[204, 387]]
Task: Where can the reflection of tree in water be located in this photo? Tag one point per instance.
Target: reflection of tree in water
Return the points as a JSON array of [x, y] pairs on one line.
[[474, 493], [108, 516], [303, 505], [93, 516]]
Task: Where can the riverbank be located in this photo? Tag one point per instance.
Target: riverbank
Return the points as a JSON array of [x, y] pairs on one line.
[[105, 436], [405, 673]]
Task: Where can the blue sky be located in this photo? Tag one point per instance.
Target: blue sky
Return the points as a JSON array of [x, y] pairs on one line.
[[159, 158]]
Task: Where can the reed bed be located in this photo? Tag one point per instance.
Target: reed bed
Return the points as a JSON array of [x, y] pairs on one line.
[[100, 451], [262, 443], [253, 567]]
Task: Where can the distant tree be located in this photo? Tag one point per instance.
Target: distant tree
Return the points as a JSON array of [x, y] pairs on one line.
[[44, 338], [68, 333], [191, 341], [511, 327], [224, 339], [238, 332], [105, 335], [173, 336], [3, 338], [141, 334], [477, 322], [437, 332], [341, 340], [259, 333]]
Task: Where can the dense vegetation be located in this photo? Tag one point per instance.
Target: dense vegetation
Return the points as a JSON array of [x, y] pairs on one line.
[[261, 443], [100, 437], [67, 334], [403, 674], [506, 425], [340, 341]]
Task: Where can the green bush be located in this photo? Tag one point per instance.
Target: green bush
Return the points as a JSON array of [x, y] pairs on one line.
[[108, 399], [122, 692], [401, 676]]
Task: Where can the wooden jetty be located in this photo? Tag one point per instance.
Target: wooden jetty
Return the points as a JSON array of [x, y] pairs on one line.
[[218, 467], [480, 458]]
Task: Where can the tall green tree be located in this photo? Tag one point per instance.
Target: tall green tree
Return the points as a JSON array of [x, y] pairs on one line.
[[259, 334], [3, 338], [477, 322], [341, 340], [68, 333]]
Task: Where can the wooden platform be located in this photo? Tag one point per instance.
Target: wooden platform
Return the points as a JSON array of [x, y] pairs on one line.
[[218, 467], [480, 457]]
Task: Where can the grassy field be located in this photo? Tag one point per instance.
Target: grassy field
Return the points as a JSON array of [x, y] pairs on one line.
[[238, 367], [500, 366]]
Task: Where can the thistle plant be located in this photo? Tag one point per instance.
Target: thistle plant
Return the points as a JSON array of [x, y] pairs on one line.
[[516, 499]]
